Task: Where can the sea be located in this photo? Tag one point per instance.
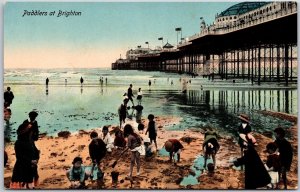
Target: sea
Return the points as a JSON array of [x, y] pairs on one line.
[[66, 105]]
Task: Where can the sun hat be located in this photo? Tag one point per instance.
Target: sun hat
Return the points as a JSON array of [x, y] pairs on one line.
[[168, 146], [244, 117]]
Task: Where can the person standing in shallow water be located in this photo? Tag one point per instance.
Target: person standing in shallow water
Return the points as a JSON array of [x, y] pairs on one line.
[[130, 94], [122, 111], [285, 154], [81, 80], [8, 96], [47, 81], [139, 96], [149, 83]]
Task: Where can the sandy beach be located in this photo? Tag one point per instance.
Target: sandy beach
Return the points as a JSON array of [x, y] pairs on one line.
[[57, 154]]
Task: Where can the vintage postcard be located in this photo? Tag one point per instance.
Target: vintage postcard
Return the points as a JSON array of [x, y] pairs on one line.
[[150, 95]]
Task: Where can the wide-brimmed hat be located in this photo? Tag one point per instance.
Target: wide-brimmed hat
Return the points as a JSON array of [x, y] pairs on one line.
[[244, 117], [168, 146], [33, 114]]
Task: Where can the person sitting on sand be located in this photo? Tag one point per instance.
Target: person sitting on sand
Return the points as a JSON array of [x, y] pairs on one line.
[[152, 129], [150, 152], [77, 174], [173, 146], [122, 111], [119, 141], [210, 146], [273, 164], [107, 139]]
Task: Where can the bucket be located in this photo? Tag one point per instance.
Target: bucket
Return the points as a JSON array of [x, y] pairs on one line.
[[114, 176]]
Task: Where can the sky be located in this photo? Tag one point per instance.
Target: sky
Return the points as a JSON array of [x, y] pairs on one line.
[[103, 31]]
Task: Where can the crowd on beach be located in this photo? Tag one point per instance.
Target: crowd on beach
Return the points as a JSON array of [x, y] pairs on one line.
[[128, 137]]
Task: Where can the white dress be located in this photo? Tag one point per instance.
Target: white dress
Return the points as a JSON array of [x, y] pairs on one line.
[[108, 140]]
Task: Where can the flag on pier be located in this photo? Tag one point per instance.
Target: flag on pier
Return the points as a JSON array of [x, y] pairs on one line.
[[178, 29], [160, 38], [146, 42]]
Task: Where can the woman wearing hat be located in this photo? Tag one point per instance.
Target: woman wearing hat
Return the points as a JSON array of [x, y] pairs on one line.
[[244, 128], [256, 175], [173, 146], [29, 130], [23, 172]]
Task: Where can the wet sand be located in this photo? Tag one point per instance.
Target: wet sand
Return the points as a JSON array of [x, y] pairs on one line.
[[57, 154]]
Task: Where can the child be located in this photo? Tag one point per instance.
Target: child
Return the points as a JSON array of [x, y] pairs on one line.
[[149, 151], [107, 139], [76, 174], [210, 146], [173, 146], [152, 129], [134, 144], [141, 127], [97, 148], [285, 153], [119, 141], [273, 164], [139, 96], [97, 175], [122, 111], [139, 112]]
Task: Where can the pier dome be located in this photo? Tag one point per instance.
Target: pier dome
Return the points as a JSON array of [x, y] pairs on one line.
[[242, 8]]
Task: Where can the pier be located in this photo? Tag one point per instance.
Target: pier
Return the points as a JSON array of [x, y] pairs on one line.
[[252, 41]]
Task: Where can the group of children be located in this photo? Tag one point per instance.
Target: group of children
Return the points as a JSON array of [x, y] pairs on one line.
[[98, 148]]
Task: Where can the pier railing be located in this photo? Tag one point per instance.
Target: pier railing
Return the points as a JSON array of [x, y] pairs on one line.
[[231, 27]]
